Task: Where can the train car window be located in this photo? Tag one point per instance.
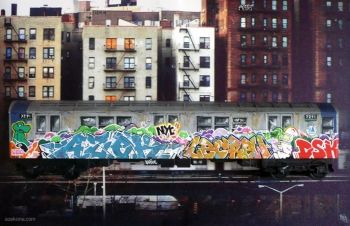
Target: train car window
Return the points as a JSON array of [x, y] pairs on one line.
[[222, 122], [286, 121], [41, 124], [173, 118], [158, 119], [239, 122], [327, 125], [54, 123], [124, 120], [204, 123], [104, 121], [88, 121], [272, 122]]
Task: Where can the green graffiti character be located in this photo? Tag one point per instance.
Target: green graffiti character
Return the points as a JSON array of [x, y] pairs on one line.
[[20, 129], [86, 130]]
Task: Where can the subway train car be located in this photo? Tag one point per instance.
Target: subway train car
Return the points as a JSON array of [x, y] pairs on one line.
[[171, 136]]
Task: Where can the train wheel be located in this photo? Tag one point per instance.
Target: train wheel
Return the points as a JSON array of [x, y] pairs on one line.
[[280, 172], [318, 170]]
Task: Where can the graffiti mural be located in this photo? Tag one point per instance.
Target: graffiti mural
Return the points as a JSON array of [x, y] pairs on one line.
[[168, 141]]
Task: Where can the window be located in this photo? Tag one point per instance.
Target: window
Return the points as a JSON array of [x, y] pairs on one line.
[[329, 4], [284, 42], [168, 43], [54, 123], [32, 33], [21, 34], [129, 63], [252, 40], [21, 53], [129, 44], [49, 53], [284, 23], [104, 121], [88, 121], [243, 22], [286, 121], [285, 60], [243, 59], [265, 22], [148, 82], [329, 61], [274, 5], [111, 43], [204, 62], [253, 78], [329, 98], [328, 23], [253, 22], [274, 41], [285, 80], [265, 78], [243, 79], [340, 43], [91, 62], [111, 83], [173, 118], [204, 81], [148, 63], [32, 72], [129, 82], [274, 23], [187, 98], [21, 72], [204, 98], [158, 119], [186, 43], [92, 97], [253, 97], [7, 91], [340, 24], [204, 123], [186, 82], [243, 40], [41, 124], [265, 41], [7, 73], [265, 59], [265, 4], [91, 43], [274, 58], [284, 5], [20, 91], [340, 6], [186, 61], [32, 53], [129, 98], [242, 97], [48, 91], [111, 63], [148, 44], [272, 122], [91, 82], [274, 97], [9, 34], [253, 59], [68, 37], [239, 122], [49, 34], [48, 72], [274, 79], [124, 120], [204, 42]]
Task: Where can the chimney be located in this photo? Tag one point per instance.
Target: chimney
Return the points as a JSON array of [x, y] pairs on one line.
[[3, 13], [13, 9]]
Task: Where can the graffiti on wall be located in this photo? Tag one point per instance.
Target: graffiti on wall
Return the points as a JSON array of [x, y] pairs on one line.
[[168, 141]]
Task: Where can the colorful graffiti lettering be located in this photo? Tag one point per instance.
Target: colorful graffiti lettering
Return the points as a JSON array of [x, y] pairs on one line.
[[168, 141]]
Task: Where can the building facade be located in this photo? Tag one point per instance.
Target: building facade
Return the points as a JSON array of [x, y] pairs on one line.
[[258, 47], [120, 63], [31, 57], [194, 59]]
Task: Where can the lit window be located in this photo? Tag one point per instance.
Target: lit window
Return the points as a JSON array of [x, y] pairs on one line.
[[49, 53], [265, 59], [91, 82], [329, 98], [328, 23], [285, 5], [243, 22], [284, 42], [253, 22], [274, 5], [243, 79], [48, 91], [340, 6], [274, 41], [129, 63], [148, 63], [129, 44], [32, 72], [253, 39], [265, 78], [111, 43], [243, 40], [32, 34], [329, 61], [91, 62], [274, 23], [284, 23], [148, 44]]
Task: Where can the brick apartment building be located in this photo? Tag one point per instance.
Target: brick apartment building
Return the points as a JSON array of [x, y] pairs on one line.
[[256, 41]]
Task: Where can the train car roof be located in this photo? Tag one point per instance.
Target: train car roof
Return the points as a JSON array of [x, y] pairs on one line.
[[99, 106]]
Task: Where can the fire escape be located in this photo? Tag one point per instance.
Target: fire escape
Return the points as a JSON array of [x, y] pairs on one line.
[[14, 58], [188, 65], [120, 85]]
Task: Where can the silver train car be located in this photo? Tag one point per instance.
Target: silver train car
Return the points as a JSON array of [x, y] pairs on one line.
[[167, 136]]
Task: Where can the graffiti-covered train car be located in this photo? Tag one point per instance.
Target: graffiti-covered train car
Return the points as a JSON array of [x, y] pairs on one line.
[[160, 135]]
